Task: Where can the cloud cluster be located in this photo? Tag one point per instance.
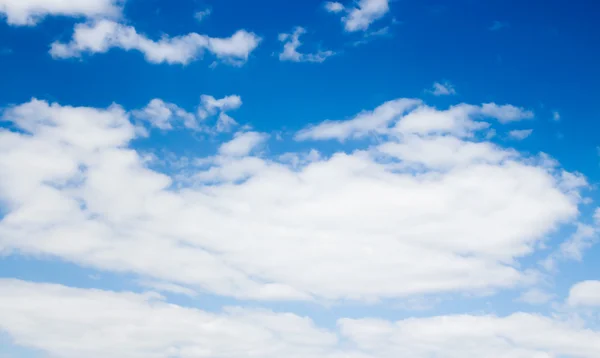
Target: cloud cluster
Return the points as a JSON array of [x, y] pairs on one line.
[[30, 12], [100, 36], [430, 206], [461, 120], [162, 115], [167, 116], [71, 323]]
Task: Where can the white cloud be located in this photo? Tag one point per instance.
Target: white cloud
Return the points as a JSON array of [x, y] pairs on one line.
[[210, 106], [362, 13], [225, 123], [69, 322], [584, 237], [167, 116], [101, 36], [162, 115], [73, 189], [461, 120], [334, 7], [444, 152], [376, 121], [234, 49], [505, 113], [586, 293], [72, 323], [520, 134], [291, 42], [30, 12], [202, 14], [442, 89], [167, 287], [243, 143], [371, 35], [535, 296], [520, 335]]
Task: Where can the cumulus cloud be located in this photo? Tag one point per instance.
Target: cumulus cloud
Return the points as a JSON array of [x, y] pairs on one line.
[[586, 293], [291, 42], [162, 115], [101, 36], [514, 336], [72, 323], [364, 219], [334, 7], [167, 116], [442, 89], [520, 134], [444, 152], [30, 12], [460, 120], [69, 322], [210, 106], [242, 144], [361, 14], [505, 113]]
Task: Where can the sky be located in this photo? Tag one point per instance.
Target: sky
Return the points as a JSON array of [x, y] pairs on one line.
[[353, 179]]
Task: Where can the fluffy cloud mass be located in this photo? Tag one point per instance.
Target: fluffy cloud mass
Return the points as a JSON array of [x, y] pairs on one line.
[[585, 293], [101, 36], [290, 206], [431, 204], [30, 12], [72, 323], [162, 115]]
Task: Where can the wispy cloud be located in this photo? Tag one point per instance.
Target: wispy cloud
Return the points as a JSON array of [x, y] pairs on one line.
[[442, 89], [498, 25], [520, 134], [202, 14], [556, 116], [291, 43]]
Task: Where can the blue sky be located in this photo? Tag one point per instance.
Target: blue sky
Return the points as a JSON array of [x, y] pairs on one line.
[[302, 178]]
